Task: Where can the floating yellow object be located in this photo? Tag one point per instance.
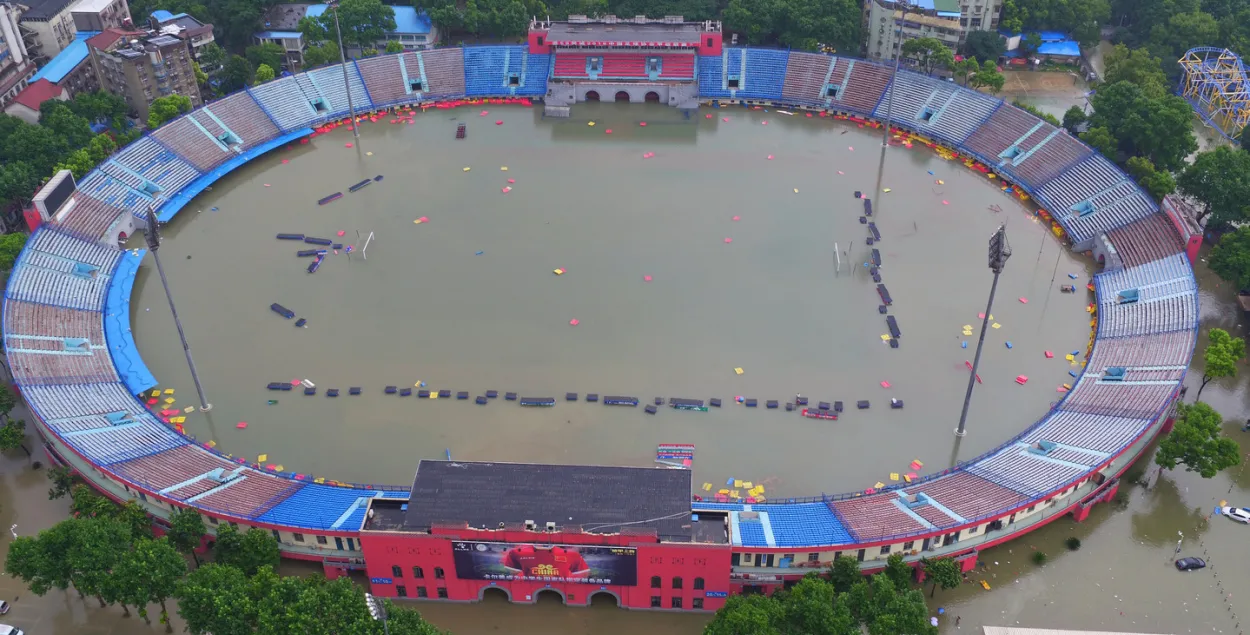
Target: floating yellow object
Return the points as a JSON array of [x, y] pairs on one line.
[[433, 394], [907, 477], [1069, 357], [996, 325], [503, 168], [179, 419], [170, 400], [985, 585], [723, 491], [368, 154], [879, 485], [417, 222], [590, 123], [735, 494], [885, 189], [796, 190], [466, 168], [188, 409], [319, 480], [893, 476], [211, 444], [737, 482], [738, 371], [941, 182], [262, 458], [991, 317], [169, 391], [280, 468], [967, 327], [748, 484], [707, 487], [156, 393], [885, 337], [558, 271]]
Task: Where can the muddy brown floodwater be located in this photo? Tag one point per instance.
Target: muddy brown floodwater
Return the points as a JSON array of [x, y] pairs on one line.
[[426, 307]]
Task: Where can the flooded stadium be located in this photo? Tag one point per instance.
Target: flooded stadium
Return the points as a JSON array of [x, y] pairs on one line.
[[691, 247]]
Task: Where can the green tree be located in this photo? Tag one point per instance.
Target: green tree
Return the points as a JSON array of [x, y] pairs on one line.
[[148, 573], [363, 22], [1195, 442], [8, 400], [61, 120], [77, 162], [100, 147], [1230, 259], [95, 549], [315, 56], [247, 551], [986, 45], [214, 599], [1101, 140], [403, 620], [800, 25], [812, 608], [212, 58], [62, 480], [267, 54], [84, 503], [167, 108], [1158, 129], [40, 561], [844, 573], [988, 77], [18, 182], [942, 571], [899, 572], [263, 73], [1218, 180], [100, 106], [1136, 66], [1220, 357], [201, 78], [1080, 18], [929, 53], [1182, 32], [1011, 21], [1032, 110], [186, 530], [1073, 118], [1030, 43], [236, 74], [393, 46], [746, 615], [965, 67], [10, 247], [13, 436], [1156, 183], [135, 518]]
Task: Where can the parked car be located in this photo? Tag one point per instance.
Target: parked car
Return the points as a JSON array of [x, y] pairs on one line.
[[1239, 514], [1184, 564], [5, 629], [4, 607]]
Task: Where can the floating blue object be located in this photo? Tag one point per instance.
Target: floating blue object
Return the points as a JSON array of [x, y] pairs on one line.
[[1076, 352], [930, 172], [479, 253], [941, 611], [1008, 344], [1072, 372], [729, 481], [1072, 275], [963, 344], [213, 209]]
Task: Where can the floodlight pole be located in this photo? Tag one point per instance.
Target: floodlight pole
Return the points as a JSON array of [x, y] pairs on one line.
[[152, 235], [347, 86], [889, 111], [999, 252], [378, 611]]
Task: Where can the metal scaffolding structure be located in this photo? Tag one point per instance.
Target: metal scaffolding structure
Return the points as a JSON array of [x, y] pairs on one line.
[[1216, 84]]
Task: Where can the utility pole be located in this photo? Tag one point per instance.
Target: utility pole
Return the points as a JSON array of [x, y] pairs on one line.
[[152, 235], [347, 85], [999, 252], [889, 110]]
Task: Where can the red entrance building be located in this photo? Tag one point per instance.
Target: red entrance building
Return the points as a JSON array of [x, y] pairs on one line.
[[521, 530]]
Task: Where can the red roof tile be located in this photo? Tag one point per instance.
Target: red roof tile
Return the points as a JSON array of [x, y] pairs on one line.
[[108, 37], [37, 93]]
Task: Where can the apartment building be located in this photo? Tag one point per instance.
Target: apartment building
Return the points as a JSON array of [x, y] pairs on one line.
[[142, 67]]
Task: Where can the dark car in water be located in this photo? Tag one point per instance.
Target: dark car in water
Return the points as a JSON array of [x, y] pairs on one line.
[[1189, 564]]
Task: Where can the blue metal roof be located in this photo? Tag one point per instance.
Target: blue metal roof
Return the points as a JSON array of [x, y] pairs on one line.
[[67, 60], [274, 35], [1066, 47], [162, 15], [407, 20]]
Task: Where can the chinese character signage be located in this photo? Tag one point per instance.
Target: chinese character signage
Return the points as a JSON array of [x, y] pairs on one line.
[[499, 561]]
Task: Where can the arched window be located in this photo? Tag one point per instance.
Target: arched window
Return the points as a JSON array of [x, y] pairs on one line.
[[655, 581], [676, 582], [698, 584]]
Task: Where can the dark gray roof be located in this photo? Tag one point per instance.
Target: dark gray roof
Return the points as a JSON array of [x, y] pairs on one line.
[[623, 32], [43, 10], [595, 499]]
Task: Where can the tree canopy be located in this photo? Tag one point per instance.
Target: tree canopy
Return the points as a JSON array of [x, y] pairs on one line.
[[985, 45], [167, 108], [1197, 443], [929, 53], [815, 607], [942, 572], [268, 54], [1081, 18], [264, 73], [800, 25], [1136, 66], [1220, 357], [1157, 183], [1230, 259], [363, 23], [1158, 129], [1220, 181], [247, 551]]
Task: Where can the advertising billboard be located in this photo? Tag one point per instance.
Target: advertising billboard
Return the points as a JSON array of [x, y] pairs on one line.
[[546, 563]]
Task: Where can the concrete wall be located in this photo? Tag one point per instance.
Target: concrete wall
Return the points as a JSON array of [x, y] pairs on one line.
[[676, 95]]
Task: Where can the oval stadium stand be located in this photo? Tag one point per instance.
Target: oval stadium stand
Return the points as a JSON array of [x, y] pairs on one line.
[[66, 303]]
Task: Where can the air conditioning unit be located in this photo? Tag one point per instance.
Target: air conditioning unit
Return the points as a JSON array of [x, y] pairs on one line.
[[529, 525], [551, 527]]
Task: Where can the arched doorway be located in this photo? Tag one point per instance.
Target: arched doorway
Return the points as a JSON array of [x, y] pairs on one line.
[[604, 599], [592, 95], [653, 97], [622, 96], [548, 596], [495, 594]]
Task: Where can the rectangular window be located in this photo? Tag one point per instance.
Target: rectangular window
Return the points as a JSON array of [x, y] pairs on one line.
[[655, 601], [212, 521], [885, 550], [401, 591], [299, 537], [711, 42], [397, 571], [418, 573], [677, 583], [972, 530], [676, 603], [540, 40], [909, 545], [442, 592], [698, 584], [422, 593], [276, 536], [813, 557], [696, 603], [1030, 509], [438, 573], [321, 540]]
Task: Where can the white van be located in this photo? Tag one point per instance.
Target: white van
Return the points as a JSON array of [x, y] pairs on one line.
[[5, 629]]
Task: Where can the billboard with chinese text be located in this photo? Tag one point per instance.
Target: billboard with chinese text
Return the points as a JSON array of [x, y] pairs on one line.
[[500, 561]]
